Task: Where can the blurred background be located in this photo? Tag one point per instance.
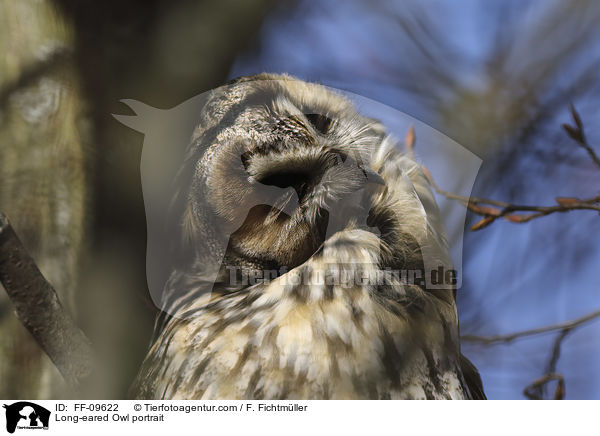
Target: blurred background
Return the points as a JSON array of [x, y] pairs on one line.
[[497, 77]]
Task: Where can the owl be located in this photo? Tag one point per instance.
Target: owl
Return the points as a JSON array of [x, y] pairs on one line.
[[302, 239]]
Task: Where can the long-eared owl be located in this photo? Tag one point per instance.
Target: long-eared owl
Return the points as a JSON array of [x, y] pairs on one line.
[[303, 242]]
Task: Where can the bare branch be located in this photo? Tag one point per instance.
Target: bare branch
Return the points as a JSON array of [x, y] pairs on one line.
[[515, 212], [578, 135], [533, 391], [565, 326], [481, 206], [536, 390], [556, 350], [37, 306]]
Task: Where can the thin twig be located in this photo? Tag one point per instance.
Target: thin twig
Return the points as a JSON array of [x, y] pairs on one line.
[[534, 390], [537, 390], [501, 209], [37, 306], [577, 133], [592, 153], [491, 210], [564, 326], [555, 355]]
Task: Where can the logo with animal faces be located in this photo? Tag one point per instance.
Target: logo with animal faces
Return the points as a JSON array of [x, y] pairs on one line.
[[25, 415]]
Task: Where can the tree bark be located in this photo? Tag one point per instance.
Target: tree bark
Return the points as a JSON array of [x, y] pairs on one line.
[[37, 306]]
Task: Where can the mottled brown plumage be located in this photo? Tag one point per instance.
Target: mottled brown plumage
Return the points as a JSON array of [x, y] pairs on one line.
[[285, 179]]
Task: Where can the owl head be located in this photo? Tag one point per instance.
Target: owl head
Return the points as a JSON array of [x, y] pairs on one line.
[[277, 167]]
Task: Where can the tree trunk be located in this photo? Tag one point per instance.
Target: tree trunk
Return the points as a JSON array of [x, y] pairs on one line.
[[42, 176]]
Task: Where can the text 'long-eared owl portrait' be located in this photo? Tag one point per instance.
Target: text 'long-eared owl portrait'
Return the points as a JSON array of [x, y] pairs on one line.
[[303, 242]]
